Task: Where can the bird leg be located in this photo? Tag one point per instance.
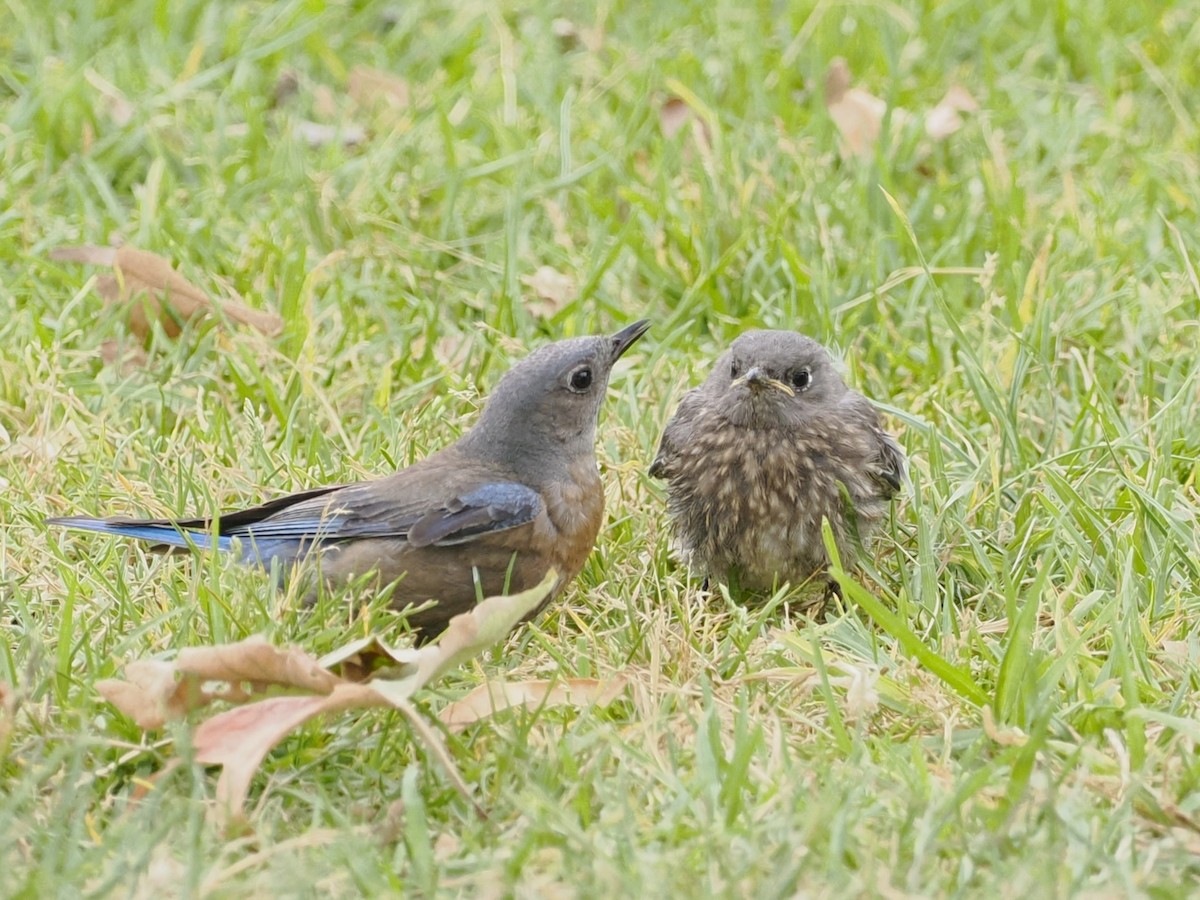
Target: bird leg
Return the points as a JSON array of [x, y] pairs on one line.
[[832, 591]]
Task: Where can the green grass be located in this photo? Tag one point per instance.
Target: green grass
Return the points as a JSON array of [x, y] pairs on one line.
[[1027, 620]]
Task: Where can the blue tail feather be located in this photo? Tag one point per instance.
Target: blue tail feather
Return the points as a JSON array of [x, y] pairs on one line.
[[156, 533]]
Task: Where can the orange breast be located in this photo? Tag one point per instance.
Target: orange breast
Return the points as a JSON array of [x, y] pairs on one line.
[[575, 509]]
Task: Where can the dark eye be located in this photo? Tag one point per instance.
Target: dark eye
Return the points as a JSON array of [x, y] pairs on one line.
[[581, 380], [734, 369], [800, 379]]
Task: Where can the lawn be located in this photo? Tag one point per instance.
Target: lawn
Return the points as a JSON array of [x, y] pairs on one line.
[[1005, 705]]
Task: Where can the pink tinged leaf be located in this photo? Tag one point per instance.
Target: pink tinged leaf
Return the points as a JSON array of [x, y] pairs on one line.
[[88, 255], [497, 696], [240, 738], [256, 661], [151, 693], [673, 115], [857, 114], [153, 290], [946, 118], [553, 290]]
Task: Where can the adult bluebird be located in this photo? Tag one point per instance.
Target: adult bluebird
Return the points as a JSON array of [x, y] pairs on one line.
[[515, 496], [755, 457]]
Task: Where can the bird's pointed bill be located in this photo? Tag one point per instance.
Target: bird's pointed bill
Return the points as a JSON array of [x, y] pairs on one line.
[[757, 378], [627, 337]]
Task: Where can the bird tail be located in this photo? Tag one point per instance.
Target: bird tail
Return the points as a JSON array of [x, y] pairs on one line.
[[160, 533]]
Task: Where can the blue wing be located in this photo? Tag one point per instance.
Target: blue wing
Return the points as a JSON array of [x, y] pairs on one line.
[[493, 507]]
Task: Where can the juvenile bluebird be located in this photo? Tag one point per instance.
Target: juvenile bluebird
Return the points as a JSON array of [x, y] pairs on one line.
[[516, 495], [772, 442]]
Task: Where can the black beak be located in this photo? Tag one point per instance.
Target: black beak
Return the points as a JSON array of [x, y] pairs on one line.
[[627, 337]]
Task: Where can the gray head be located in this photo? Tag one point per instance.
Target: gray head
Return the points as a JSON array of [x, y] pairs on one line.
[[772, 378], [544, 409]]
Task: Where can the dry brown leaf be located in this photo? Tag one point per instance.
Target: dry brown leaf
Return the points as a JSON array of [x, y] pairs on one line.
[[324, 102], [371, 88], [155, 692], [552, 289], [164, 294], [240, 738], [40, 447], [373, 674], [946, 118], [150, 693], [497, 696], [92, 256], [1176, 651], [366, 658], [258, 662], [450, 351], [126, 357], [673, 115], [857, 114], [676, 113]]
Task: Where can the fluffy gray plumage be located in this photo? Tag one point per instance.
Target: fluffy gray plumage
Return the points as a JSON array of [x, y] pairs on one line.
[[772, 442]]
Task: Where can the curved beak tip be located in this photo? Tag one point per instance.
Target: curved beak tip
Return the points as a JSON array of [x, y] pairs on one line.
[[628, 336]]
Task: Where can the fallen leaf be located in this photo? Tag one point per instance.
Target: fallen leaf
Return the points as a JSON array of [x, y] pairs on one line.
[[552, 288], [497, 696], [92, 256], [857, 114], [945, 118], [365, 674], [258, 662], [150, 693], [367, 657], [325, 105], [371, 88], [673, 115], [155, 692], [452, 350], [239, 739], [164, 294], [126, 357], [1176, 651], [32, 446], [682, 109]]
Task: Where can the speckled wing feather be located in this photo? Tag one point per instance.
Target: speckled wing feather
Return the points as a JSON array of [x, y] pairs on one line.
[[677, 433], [888, 468]]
